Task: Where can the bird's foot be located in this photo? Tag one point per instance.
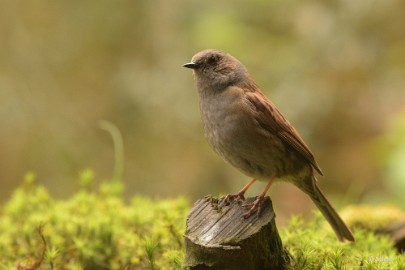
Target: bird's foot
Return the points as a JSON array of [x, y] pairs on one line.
[[254, 207], [230, 197]]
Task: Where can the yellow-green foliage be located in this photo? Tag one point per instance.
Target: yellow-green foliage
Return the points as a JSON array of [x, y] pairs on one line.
[[313, 245], [98, 230], [91, 230], [373, 217]]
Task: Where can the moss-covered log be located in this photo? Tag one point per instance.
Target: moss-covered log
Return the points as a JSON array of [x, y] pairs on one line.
[[220, 238], [397, 233]]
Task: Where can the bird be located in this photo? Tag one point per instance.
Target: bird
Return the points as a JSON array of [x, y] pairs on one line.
[[247, 130]]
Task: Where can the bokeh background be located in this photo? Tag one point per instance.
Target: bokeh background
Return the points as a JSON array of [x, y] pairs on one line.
[[336, 69]]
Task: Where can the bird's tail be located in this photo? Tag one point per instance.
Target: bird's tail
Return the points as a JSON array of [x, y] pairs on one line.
[[342, 231]]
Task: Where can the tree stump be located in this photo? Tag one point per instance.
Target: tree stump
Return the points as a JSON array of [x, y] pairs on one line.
[[220, 238]]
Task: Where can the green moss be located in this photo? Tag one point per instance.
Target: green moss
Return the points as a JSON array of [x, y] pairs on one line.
[[98, 230], [91, 230], [313, 245], [373, 217]]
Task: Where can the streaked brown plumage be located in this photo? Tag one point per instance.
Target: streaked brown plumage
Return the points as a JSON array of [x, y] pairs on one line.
[[245, 128]]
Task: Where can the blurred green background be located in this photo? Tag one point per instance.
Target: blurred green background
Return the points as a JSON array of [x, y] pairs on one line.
[[336, 69]]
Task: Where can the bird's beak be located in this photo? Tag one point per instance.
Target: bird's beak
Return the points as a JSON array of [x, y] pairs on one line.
[[191, 65]]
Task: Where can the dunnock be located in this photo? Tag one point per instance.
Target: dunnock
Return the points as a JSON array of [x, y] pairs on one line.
[[245, 128]]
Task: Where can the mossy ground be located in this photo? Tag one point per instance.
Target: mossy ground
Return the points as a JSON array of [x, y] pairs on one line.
[[98, 230], [314, 246]]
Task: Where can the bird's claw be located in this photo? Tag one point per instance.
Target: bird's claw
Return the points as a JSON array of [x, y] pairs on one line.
[[230, 197], [255, 207]]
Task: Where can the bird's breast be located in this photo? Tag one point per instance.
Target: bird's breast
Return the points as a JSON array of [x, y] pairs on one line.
[[233, 132], [223, 118]]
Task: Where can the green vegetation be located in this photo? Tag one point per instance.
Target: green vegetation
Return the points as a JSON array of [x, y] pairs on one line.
[[98, 230], [91, 230], [314, 246]]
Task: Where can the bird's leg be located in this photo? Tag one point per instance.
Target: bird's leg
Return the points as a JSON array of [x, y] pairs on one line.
[[256, 205], [240, 195]]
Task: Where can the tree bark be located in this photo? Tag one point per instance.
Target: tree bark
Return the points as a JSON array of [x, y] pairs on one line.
[[220, 238]]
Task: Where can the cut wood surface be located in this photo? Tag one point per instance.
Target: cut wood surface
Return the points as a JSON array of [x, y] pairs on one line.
[[219, 237]]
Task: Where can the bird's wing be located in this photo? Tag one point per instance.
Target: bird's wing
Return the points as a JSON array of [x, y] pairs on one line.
[[270, 118]]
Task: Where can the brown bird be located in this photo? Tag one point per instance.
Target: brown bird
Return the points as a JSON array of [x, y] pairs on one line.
[[245, 128]]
